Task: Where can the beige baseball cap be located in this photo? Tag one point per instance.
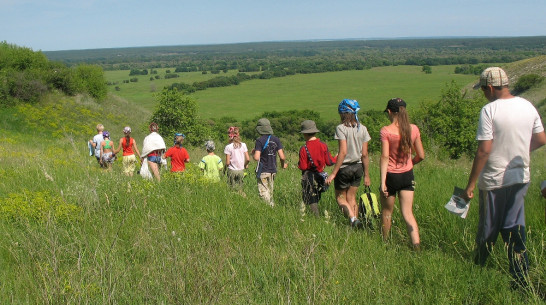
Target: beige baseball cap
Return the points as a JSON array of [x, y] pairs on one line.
[[493, 76]]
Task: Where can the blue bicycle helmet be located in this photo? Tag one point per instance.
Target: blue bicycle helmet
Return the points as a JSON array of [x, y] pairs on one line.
[[106, 134]]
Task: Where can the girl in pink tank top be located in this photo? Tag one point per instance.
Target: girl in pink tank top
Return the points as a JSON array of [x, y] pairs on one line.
[[399, 142]]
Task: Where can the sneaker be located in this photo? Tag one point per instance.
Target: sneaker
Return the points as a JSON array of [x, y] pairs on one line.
[[357, 224]]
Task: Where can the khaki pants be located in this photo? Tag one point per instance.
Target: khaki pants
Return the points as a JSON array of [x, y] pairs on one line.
[[265, 187]]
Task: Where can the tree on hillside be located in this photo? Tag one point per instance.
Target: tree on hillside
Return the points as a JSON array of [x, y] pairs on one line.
[[176, 113]]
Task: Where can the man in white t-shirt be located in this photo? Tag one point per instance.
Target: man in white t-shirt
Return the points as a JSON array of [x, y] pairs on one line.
[[508, 130]]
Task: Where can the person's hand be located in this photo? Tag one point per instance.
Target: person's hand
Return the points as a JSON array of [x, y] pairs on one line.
[[367, 181], [384, 191], [468, 193], [285, 165], [330, 178]]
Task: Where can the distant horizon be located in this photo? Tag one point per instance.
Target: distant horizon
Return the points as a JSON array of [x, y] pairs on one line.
[[288, 40], [57, 25]]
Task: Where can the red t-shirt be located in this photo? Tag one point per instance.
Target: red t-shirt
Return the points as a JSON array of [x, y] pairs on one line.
[[127, 148], [319, 153], [178, 157]]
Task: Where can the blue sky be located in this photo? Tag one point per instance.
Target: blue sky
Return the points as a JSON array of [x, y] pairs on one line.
[[73, 24]]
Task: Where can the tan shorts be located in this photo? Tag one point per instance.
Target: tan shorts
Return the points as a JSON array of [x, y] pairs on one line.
[[129, 164]]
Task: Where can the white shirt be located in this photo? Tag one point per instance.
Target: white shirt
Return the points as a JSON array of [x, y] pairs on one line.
[[237, 156], [97, 139], [510, 123]]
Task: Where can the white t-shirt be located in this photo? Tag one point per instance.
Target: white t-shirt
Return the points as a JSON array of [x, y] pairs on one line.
[[355, 137], [510, 123], [237, 156], [97, 139]]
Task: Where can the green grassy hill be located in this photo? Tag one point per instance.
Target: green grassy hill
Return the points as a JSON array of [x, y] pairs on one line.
[[320, 92], [72, 233]]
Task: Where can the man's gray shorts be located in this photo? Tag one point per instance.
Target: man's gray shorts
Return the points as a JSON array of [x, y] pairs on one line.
[[500, 209]]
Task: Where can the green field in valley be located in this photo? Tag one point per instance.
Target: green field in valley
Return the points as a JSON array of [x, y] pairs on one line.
[[320, 92]]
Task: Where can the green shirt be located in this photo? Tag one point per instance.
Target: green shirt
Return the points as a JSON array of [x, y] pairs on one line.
[[211, 166]]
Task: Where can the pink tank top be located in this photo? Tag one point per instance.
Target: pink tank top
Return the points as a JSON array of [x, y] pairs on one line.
[[398, 163]]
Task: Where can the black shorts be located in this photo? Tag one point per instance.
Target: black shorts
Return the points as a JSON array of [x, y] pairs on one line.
[[310, 187], [350, 175], [400, 182]]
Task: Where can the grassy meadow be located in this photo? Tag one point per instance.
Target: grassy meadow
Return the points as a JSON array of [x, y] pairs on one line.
[[72, 233], [320, 92]]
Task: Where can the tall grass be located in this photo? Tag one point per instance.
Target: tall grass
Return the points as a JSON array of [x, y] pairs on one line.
[[185, 241]]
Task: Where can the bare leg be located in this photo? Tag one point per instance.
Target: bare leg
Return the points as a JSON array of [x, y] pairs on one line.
[[341, 198], [406, 207], [387, 207], [346, 199], [155, 170], [351, 200]]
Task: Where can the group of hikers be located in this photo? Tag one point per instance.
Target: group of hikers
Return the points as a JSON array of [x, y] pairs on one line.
[[509, 129]]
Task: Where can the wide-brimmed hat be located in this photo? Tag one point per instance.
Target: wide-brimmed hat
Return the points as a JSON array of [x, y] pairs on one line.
[[264, 126], [309, 126]]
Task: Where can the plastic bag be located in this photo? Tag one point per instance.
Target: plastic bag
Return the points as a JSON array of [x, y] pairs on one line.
[[144, 170]]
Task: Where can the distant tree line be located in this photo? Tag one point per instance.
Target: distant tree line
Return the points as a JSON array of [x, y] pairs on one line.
[[26, 75], [312, 56]]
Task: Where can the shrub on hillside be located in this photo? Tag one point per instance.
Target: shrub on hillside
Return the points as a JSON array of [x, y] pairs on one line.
[[26, 75], [91, 80], [527, 82], [26, 86], [452, 122]]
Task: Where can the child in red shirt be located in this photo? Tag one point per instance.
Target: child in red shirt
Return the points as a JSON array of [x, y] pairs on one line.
[[178, 154], [314, 157]]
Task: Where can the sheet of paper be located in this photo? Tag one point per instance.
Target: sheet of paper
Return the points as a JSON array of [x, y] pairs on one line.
[[457, 205]]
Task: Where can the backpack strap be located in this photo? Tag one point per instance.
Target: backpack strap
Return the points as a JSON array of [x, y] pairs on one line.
[[266, 143], [313, 166]]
